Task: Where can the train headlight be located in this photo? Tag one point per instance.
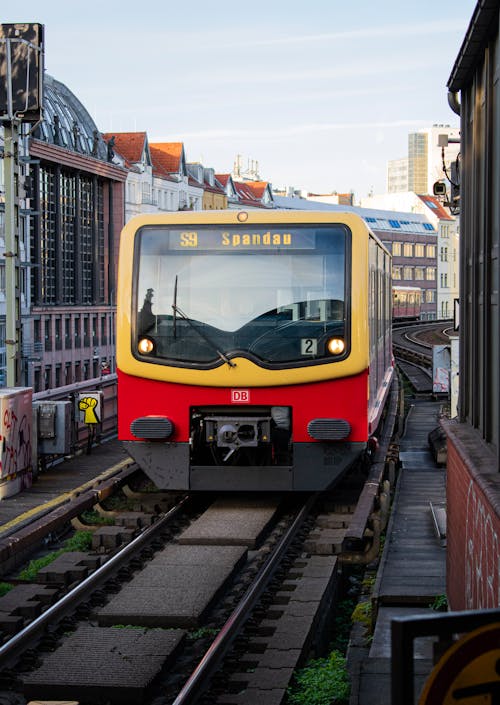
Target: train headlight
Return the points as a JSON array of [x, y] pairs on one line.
[[146, 346], [336, 346]]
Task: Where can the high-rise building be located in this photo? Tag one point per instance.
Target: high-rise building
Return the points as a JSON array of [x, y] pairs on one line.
[[397, 175], [427, 161]]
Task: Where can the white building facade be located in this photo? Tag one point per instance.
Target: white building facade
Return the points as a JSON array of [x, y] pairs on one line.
[[423, 165]]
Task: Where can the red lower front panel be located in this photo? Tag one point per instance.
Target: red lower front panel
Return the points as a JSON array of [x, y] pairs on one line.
[[339, 398]]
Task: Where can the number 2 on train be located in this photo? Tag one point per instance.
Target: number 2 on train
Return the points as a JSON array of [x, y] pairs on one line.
[[308, 346]]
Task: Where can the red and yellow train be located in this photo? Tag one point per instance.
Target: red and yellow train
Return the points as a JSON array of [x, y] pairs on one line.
[[406, 303], [254, 348]]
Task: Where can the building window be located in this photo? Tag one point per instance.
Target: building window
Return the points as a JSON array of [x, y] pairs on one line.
[[47, 236], [68, 185], [104, 338], [396, 272], [419, 250], [3, 354], [70, 237], [76, 324], [396, 249], [86, 239], [430, 274], [2, 281], [408, 273], [58, 341], [408, 249], [431, 251], [86, 338], [67, 333], [419, 273], [430, 296], [146, 192], [22, 284], [37, 377], [37, 331], [48, 336]]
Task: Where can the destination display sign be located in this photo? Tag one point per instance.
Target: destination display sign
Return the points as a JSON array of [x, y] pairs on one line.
[[231, 239]]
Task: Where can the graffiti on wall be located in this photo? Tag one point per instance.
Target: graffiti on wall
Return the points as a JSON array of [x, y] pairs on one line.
[[482, 554], [15, 437]]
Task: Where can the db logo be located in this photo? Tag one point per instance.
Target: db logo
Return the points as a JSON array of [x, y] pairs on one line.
[[240, 396]]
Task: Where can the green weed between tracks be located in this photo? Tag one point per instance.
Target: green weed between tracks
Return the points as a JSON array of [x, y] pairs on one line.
[[323, 681], [80, 541], [4, 588]]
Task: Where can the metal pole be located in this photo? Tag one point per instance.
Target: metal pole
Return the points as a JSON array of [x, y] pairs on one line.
[[12, 293]]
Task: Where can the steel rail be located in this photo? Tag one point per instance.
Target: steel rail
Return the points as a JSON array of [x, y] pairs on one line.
[[19, 642], [197, 682]]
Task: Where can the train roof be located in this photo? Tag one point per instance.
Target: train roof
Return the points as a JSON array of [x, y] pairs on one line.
[[377, 219], [396, 287]]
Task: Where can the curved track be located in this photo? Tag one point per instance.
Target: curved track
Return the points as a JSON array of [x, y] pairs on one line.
[[412, 346]]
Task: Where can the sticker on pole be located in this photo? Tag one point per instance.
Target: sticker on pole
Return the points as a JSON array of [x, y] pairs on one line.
[[90, 406]]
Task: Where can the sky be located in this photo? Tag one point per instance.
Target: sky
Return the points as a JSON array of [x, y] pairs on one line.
[[320, 93]]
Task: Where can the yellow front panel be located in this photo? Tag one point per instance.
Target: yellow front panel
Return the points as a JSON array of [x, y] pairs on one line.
[[246, 373]]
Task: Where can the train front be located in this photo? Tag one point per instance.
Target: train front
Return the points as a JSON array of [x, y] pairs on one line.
[[242, 348]]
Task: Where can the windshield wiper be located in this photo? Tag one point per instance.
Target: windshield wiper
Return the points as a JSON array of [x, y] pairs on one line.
[[174, 308], [181, 313]]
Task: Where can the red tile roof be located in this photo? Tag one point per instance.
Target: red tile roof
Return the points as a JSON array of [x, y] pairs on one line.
[[257, 188], [167, 155], [436, 207], [216, 188], [222, 178], [129, 144], [246, 195]]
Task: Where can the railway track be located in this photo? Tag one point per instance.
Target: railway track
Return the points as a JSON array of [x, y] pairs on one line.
[[412, 346], [203, 600], [72, 618], [253, 599]]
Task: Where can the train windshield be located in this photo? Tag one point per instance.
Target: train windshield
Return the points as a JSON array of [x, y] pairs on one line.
[[207, 295]]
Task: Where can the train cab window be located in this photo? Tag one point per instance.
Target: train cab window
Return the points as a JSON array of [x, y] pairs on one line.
[[276, 296]]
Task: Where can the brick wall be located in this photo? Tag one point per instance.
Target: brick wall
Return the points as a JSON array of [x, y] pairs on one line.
[[473, 521]]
